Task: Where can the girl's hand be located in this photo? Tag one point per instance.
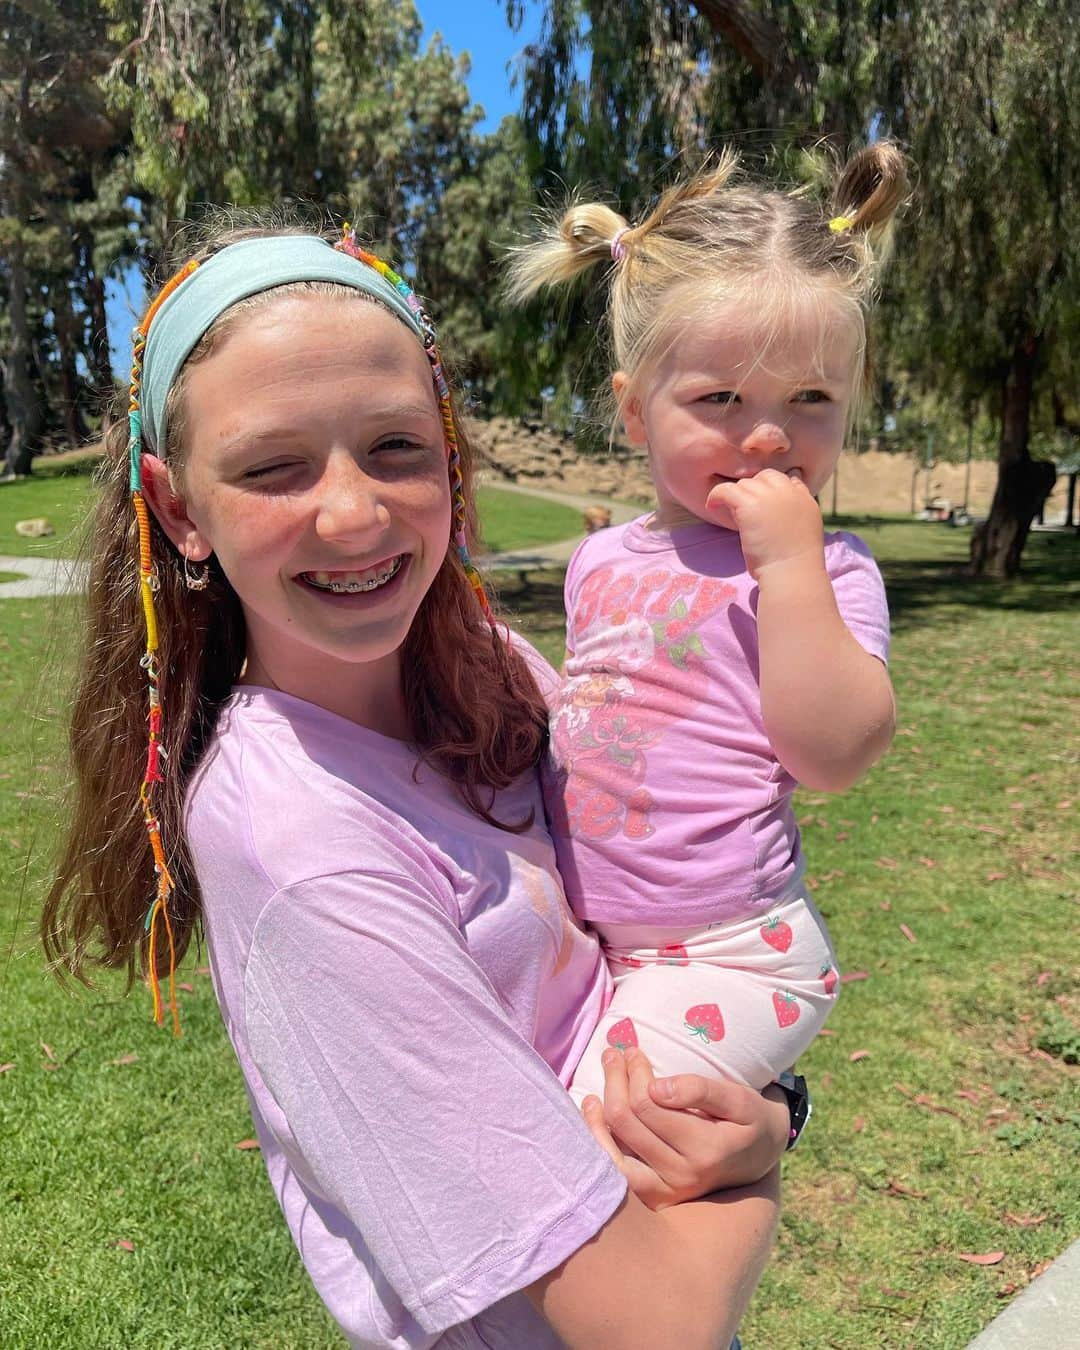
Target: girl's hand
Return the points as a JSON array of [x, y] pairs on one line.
[[680, 1138], [775, 515]]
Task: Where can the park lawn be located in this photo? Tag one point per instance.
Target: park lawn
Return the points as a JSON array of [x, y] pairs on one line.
[[950, 1135], [62, 493], [513, 520]]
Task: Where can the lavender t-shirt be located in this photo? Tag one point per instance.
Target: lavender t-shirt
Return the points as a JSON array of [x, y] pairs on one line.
[[404, 987], [668, 805]]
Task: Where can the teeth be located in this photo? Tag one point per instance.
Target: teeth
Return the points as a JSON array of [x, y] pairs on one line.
[[350, 583]]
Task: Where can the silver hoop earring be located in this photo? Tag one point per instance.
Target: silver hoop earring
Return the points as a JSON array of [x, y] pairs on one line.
[[196, 580]]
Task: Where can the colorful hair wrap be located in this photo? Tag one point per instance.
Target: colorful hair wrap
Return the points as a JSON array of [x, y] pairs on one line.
[[618, 248], [187, 306], [839, 224]]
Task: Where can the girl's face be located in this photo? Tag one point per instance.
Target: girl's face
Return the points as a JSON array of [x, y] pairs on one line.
[[316, 471], [716, 407]]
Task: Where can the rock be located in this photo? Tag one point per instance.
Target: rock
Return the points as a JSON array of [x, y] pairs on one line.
[[38, 528]]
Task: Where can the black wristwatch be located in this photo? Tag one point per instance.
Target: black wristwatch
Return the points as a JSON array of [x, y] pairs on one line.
[[801, 1108]]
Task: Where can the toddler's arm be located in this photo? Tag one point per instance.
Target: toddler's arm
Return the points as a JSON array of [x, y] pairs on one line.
[[827, 703]]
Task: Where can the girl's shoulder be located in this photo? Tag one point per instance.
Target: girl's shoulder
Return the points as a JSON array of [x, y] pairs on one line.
[[287, 791]]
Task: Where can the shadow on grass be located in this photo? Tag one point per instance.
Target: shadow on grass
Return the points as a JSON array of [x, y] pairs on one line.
[[925, 569]]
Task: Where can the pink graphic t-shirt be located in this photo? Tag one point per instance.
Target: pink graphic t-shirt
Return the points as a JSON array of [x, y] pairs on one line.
[[667, 803]]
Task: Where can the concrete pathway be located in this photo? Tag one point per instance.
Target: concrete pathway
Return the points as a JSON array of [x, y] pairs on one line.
[[1046, 1316], [42, 576]]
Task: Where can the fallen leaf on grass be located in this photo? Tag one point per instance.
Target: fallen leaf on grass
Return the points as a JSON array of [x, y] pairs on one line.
[[983, 829], [49, 1053], [123, 1244], [826, 1031], [5, 1067], [949, 810], [850, 976], [187, 988], [858, 1124], [1007, 1290], [890, 864], [894, 1293], [923, 1100], [884, 904], [1044, 977], [125, 1059], [981, 1259], [928, 862], [857, 1055], [897, 1188], [246, 1144], [968, 1096], [1041, 1268], [907, 932], [1064, 806], [997, 876], [1024, 1220], [202, 970]]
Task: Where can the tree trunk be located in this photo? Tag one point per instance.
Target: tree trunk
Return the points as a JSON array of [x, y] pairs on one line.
[[1023, 483], [22, 406], [75, 429], [100, 363]]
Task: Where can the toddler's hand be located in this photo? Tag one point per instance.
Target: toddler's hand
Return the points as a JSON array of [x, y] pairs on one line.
[[775, 515], [684, 1137]]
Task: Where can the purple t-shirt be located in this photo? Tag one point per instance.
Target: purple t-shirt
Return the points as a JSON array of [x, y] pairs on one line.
[[667, 803], [404, 987]]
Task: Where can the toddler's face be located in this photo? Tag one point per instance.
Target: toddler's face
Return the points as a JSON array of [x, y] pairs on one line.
[[720, 405]]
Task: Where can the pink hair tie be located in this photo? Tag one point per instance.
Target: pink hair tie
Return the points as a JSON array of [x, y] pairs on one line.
[[618, 248]]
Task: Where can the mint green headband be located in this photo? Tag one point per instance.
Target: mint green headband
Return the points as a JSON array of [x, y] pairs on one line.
[[239, 270]]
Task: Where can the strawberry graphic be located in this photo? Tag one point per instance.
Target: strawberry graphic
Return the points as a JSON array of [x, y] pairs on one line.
[[674, 955], [704, 1021], [777, 933], [622, 1035], [787, 1009], [828, 979]]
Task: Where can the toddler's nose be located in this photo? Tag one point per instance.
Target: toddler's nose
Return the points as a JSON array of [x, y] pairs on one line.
[[766, 440]]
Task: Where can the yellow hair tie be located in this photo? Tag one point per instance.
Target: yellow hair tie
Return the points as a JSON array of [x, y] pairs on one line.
[[839, 224]]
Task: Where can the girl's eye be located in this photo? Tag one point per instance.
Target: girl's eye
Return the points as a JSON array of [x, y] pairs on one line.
[[812, 396], [723, 397], [265, 470], [399, 443]]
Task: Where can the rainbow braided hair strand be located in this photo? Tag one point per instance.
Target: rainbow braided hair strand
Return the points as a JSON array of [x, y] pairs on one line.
[[348, 245], [159, 908], [158, 913]]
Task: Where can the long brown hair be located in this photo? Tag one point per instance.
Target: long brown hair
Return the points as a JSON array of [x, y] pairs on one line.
[[475, 711]]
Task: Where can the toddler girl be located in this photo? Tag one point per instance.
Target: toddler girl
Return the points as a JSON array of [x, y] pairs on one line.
[[721, 649]]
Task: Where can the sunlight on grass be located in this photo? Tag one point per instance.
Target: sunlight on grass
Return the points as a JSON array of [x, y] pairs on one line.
[[947, 878]]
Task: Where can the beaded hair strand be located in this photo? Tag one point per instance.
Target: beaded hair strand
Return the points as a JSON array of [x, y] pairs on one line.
[[158, 911], [348, 245], [148, 582]]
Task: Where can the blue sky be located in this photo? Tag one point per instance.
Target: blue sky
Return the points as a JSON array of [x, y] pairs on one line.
[[478, 27]]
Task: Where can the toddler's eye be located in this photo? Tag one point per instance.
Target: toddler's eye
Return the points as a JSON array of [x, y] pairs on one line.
[[722, 397], [812, 396]]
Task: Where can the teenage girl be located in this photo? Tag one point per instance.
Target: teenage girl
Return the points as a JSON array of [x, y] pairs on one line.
[[721, 649], [338, 753]]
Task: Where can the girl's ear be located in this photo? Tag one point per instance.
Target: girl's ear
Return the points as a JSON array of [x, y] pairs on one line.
[[629, 409], [171, 510]]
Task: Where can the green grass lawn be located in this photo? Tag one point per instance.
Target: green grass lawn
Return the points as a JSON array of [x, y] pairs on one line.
[[947, 1116], [516, 520]]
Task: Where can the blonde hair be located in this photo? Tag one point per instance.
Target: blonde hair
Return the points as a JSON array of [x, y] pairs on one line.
[[475, 710], [714, 237]]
